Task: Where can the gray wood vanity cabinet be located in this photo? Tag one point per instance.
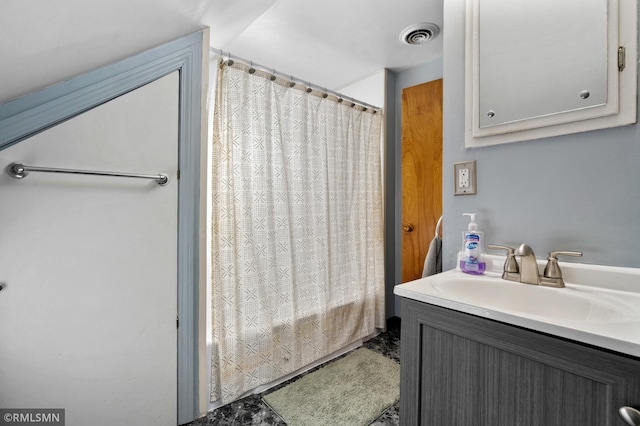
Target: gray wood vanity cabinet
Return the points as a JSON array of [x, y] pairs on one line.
[[459, 369]]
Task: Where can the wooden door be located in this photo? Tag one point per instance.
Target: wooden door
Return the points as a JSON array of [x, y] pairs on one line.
[[421, 173]]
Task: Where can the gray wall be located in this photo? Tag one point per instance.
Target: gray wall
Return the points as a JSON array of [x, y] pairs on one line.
[[393, 203], [574, 192]]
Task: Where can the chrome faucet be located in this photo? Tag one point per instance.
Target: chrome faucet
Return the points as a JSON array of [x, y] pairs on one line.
[[527, 270], [529, 273]]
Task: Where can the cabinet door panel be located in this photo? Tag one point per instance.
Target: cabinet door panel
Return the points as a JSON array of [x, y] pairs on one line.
[[476, 382], [458, 369]]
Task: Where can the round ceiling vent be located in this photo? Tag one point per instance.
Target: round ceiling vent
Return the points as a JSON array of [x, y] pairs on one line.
[[419, 33]]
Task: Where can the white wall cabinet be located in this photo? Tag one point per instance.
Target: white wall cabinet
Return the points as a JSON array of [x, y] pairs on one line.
[[548, 68]]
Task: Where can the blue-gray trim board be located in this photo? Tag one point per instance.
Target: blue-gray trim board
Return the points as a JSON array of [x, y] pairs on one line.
[[31, 114]]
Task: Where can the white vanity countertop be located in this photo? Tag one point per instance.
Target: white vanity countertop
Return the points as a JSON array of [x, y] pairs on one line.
[[603, 310]]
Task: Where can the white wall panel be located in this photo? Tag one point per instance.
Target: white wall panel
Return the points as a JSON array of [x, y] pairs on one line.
[[88, 311]]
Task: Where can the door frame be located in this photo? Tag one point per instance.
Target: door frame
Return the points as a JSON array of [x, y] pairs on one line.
[[393, 173], [26, 116], [434, 175]]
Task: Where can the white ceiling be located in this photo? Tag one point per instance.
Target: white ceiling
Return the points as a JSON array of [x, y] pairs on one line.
[[330, 43]]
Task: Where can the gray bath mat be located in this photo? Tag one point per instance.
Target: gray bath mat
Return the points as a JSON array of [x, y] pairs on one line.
[[354, 390]]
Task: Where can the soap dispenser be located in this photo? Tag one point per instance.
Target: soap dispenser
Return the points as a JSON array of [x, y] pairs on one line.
[[472, 261]]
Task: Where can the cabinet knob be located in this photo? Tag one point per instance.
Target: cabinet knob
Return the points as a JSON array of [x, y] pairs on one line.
[[408, 227], [630, 415]]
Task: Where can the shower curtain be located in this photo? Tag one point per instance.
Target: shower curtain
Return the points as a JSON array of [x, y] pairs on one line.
[[297, 228]]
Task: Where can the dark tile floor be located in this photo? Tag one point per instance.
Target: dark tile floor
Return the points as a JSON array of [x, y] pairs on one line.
[[253, 411]]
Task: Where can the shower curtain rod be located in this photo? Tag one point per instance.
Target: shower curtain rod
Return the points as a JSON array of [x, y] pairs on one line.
[[293, 79]]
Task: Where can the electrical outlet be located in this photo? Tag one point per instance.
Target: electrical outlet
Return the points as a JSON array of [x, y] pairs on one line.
[[463, 178], [464, 175]]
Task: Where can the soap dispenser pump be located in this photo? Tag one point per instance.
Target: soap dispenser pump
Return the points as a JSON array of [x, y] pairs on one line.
[[472, 261]]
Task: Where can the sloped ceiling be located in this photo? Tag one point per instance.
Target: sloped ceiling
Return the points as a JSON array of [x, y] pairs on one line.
[[330, 43]]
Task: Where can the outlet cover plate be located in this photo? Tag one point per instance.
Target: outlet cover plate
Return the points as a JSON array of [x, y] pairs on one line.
[[464, 178]]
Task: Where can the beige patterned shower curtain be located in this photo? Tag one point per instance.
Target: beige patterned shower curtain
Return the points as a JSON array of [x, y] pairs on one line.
[[297, 237]]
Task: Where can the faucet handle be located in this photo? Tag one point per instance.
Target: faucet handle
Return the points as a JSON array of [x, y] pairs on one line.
[[510, 264], [552, 270], [554, 254], [552, 275]]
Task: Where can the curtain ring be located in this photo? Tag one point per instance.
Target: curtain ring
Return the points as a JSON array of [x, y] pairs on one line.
[[292, 83], [309, 89], [230, 61], [325, 94], [273, 76], [251, 68]]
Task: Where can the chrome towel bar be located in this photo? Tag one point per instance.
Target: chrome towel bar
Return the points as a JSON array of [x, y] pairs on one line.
[[19, 171]]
